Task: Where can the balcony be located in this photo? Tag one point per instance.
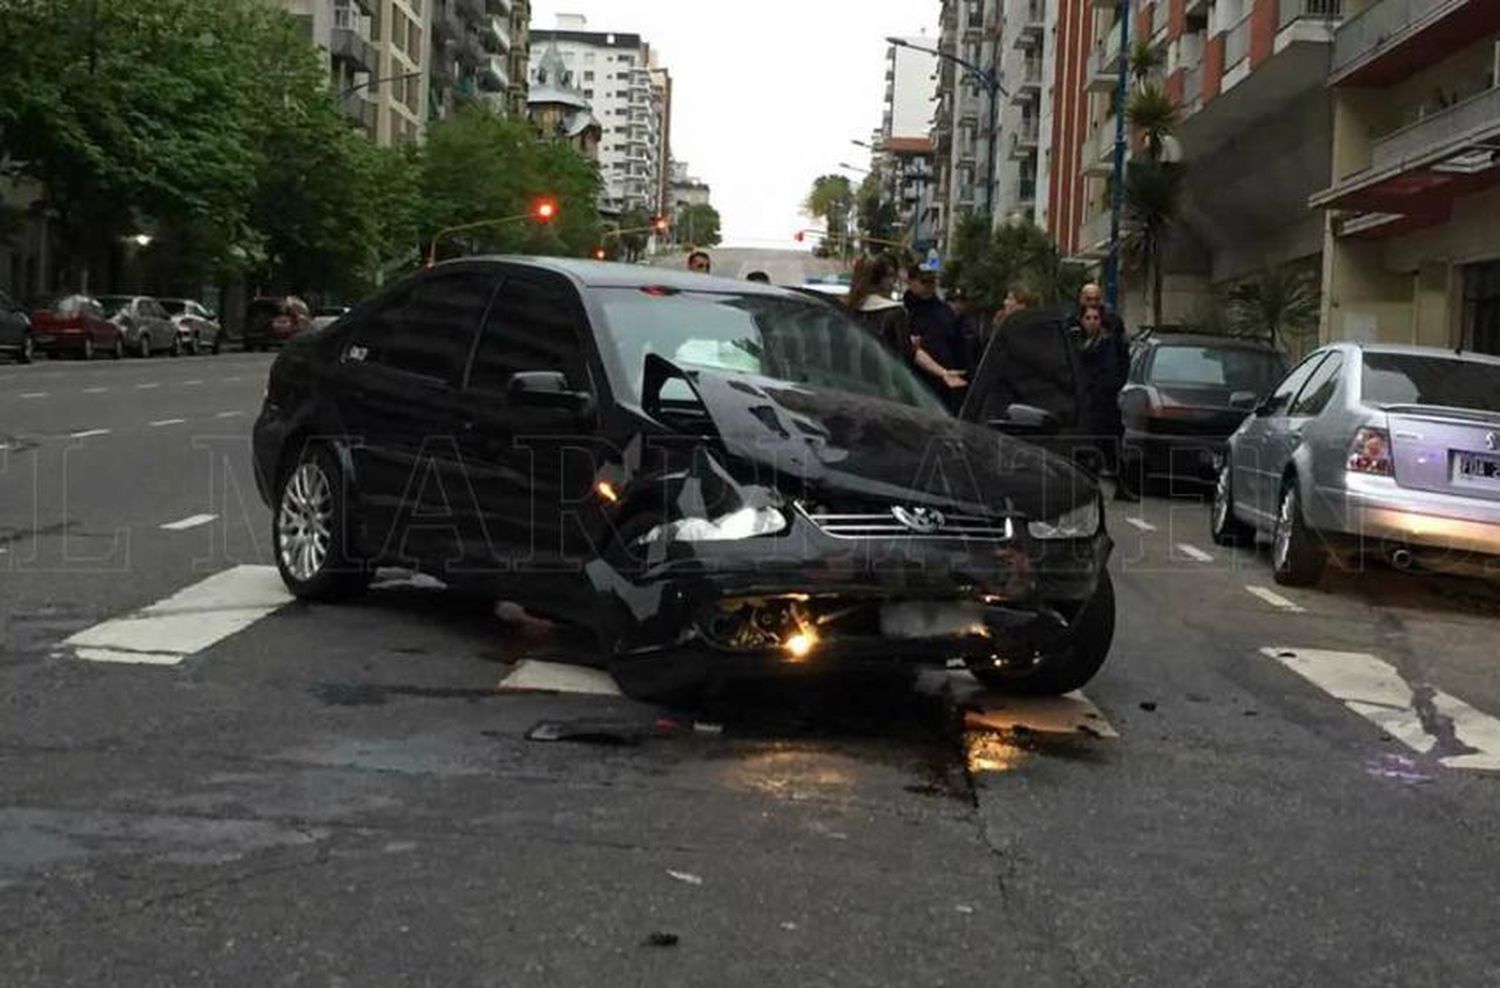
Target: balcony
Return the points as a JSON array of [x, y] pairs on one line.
[[474, 10], [367, 7], [1237, 45], [1391, 40], [1094, 236], [1099, 151], [1031, 29], [446, 25], [1420, 170], [1104, 63], [1161, 16], [500, 8], [495, 33], [1023, 193], [494, 76], [346, 45], [359, 108], [1192, 90]]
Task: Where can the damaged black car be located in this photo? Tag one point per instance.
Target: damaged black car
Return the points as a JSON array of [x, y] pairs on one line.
[[717, 478]]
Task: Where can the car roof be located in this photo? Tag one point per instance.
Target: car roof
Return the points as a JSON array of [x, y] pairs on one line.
[[1412, 350], [1206, 340], [608, 274]]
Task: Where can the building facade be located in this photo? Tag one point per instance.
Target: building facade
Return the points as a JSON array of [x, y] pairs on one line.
[[558, 109], [631, 95], [480, 50], [1412, 236], [687, 190], [969, 30]]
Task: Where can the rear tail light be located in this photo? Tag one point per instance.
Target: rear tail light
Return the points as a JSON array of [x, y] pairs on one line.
[[282, 325], [1370, 452]]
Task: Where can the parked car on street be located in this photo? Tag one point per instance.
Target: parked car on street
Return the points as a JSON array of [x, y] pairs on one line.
[[76, 324], [272, 321], [1186, 394], [1373, 449], [15, 330], [328, 315], [197, 328], [716, 476], [144, 323]]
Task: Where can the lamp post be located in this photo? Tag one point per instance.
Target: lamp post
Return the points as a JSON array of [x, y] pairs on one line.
[[990, 80], [1117, 199]]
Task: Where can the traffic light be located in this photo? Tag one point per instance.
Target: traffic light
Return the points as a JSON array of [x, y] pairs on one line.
[[600, 253], [545, 210], [660, 224], [800, 236]]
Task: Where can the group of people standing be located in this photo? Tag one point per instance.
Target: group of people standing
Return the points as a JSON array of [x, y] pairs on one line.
[[946, 340]]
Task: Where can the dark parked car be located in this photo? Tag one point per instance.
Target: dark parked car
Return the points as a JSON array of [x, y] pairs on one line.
[[76, 324], [717, 477], [15, 330], [271, 322], [1187, 394], [198, 329], [144, 323], [328, 315]]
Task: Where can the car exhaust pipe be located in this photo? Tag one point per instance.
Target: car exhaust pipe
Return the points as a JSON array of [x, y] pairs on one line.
[[1401, 559]]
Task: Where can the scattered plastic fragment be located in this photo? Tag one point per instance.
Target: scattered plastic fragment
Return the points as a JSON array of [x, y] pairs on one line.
[[603, 732], [686, 876], [1148, 705], [659, 939], [1397, 768], [703, 727], [789, 926], [966, 910]]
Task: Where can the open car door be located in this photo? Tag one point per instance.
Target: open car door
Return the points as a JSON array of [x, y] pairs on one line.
[[1030, 381]]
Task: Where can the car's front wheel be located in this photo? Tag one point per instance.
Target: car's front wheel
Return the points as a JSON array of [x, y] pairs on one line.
[[1297, 559], [1225, 527], [88, 349], [27, 353], [117, 351], [143, 346], [312, 534], [1071, 666]]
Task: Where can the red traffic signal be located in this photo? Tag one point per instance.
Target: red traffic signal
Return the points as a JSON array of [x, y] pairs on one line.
[[660, 223], [545, 210], [800, 236], [600, 253]]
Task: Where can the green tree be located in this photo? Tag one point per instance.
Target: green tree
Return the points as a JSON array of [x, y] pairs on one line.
[[831, 200], [1281, 304], [876, 213], [986, 263], [635, 223], [697, 224]]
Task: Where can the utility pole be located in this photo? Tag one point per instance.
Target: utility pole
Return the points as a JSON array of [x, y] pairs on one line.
[[1117, 203]]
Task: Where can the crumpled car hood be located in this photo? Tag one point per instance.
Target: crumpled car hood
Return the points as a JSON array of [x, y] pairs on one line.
[[832, 441]]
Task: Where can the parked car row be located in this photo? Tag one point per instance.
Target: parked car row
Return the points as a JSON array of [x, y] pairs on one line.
[[86, 326]]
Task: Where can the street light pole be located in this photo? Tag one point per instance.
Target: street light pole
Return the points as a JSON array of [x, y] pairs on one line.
[[1117, 198], [990, 80]]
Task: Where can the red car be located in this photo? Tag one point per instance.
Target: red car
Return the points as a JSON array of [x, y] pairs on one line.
[[76, 324], [270, 322]]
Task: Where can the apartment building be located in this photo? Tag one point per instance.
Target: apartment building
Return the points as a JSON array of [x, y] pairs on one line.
[[1413, 198], [1026, 51], [968, 30], [687, 190], [1249, 76], [345, 31], [631, 95], [901, 151], [480, 50]]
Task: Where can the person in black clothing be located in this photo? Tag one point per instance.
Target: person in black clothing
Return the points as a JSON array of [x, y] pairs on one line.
[[971, 328], [869, 301], [939, 340], [1106, 366]]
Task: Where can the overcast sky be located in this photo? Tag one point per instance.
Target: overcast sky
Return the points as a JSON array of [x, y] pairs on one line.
[[767, 95]]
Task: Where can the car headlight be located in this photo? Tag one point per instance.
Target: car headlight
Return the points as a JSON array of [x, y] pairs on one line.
[[1080, 523], [745, 523]]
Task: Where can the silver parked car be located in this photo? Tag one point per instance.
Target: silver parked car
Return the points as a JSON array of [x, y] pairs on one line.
[[1369, 449], [145, 324]]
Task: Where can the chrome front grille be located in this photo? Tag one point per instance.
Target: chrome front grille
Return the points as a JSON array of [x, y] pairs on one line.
[[888, 525]]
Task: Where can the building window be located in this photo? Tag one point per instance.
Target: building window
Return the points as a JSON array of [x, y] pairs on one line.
[[588, 77]]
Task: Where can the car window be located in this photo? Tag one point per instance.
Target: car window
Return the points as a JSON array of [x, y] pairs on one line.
[[534, 324], [428, 328], [1320, 387], [1236, 368], [1438, 380], [175, 306], [1281, 397]]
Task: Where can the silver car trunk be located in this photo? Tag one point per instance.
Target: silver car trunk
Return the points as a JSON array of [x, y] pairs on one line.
[[1452, 451]]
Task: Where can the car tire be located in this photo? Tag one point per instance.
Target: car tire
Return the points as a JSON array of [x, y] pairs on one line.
[[176, 348], [1073, 665], [27, 353], [143, 346], [87, 353], [311, 531], [1224, 527], [218, 345], [1297, 558], [117, 352], [194, 346]]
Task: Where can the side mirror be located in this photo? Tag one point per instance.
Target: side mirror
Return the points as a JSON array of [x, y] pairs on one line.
[[547, 389], [1026, 420], [1244, 399], [1265, 409]]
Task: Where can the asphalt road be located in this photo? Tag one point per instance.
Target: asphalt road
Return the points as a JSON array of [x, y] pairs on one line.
[[1304, 787]]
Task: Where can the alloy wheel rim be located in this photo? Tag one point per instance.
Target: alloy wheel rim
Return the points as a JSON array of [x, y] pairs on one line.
[[27, 346], [304, 523], [1221, 500], [1284, 530]]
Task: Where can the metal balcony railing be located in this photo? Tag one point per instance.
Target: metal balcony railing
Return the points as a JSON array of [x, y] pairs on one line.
[[1192, 89], [1161, 15], [1320, 10], [496, 33], [1237, 44], [1375, 26], [1093, 235], [1478, 116]]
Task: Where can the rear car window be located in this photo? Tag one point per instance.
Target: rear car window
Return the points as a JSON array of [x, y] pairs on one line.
[[1439, 381], [1236, 368]]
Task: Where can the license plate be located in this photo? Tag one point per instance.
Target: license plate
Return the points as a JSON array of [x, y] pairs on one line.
[[1477, 468]]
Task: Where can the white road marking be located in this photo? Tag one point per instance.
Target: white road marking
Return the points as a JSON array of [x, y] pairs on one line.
[[1376, 691], [94, 391], [535, 676], [1277, 601], [33, 394], [228, 415], [148, 386], [1141, 523], [88, 433], [191, 384], [191, 521], [228, 380], [161, 422], [1194, 553], [187, 622]]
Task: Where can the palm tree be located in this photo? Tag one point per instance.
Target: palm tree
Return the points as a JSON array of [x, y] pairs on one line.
[[1280, 304], [1146, 62], [832, 200], [1155, 115], [1153, 195]]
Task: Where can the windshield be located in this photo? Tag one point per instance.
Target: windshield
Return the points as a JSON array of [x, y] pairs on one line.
[[67, 305], [1234, 368], [1442, 381], [112, 304], [174, 306], [798, 341]]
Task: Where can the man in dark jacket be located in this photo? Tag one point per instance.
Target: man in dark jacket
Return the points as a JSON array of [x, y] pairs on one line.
[[1106, 364], [938, 334]]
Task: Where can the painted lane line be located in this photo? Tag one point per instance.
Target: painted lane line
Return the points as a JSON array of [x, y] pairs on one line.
[[535, 676], [33, 394], [1277, 601], [191, 384], [228, 415], [148, 386], [187, 622], [88, 433], [94, 391], [1141, 524], [1194, 553], [191, 521], [161, 422], [231, 380], [1377, 692]]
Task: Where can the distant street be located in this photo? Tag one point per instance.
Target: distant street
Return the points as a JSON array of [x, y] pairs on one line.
[[786, 267], [228, 788]]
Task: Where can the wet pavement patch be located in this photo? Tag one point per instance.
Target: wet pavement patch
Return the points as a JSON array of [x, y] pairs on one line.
[[375, 694]]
